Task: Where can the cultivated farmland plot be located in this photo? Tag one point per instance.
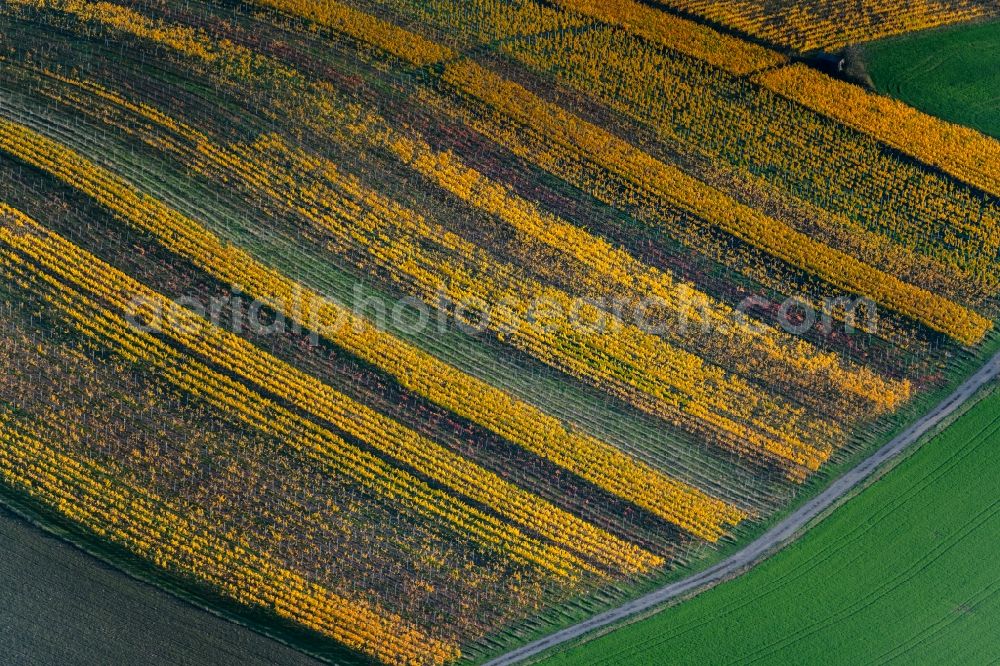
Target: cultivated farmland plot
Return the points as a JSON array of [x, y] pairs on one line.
[[427, 327]]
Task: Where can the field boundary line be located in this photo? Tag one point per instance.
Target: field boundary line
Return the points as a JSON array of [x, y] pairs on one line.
[[778, 536]]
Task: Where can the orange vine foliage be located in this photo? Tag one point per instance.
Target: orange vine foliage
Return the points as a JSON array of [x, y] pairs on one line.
[[696, 40], [466, 23], [463, 394], [914, 213], [259, 171], [231, 352], [764, 352], [411, 495], [366, 28], [572, 138], [754, 389], [569, 334], [808, 25], [107, 13], [180, 541], [760, 352], [963, 152]]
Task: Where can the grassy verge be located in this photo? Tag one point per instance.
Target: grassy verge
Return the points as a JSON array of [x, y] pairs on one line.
[[877, 435], [910, 555]]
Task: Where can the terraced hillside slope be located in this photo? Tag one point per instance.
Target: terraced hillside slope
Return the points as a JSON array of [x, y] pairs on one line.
[[425, 327]]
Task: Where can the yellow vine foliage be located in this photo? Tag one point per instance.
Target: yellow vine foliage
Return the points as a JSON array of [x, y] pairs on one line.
[[106, 13], [682, 35], [782, 428], [179, 540], [520, 423], [366, 28], [339, 202], [258, 171], [808, 25], [466, 23], [711, 115], [615, 272], [237, 61], [573, 137], [231, 352], [569, 334], [393, 484], [959, 151], [937, 313], [782, 358], [652, 386]]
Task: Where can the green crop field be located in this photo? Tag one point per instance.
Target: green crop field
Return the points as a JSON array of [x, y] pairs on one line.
[[906, 572], [952, 73]]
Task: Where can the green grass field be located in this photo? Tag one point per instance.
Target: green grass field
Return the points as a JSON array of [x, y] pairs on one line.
[[59, 605], [952, 73], [906, 571]]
